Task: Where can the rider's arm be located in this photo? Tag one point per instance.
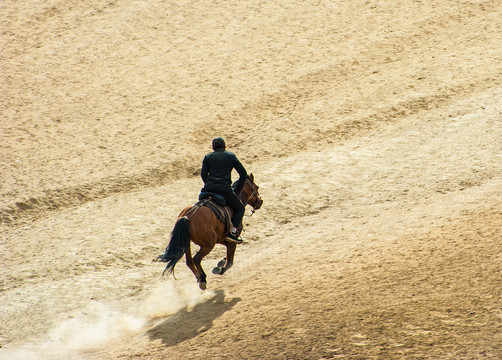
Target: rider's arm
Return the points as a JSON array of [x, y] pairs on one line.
[[242, 174], [204, 172]]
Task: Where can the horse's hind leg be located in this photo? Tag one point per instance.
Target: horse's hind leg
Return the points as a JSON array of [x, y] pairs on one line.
[[190, 263], [197, 259]]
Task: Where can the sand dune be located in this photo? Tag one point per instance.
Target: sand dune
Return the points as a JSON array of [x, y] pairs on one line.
[[373, 128]]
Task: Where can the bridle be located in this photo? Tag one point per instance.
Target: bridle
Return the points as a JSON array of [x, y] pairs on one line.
[[257, 196]]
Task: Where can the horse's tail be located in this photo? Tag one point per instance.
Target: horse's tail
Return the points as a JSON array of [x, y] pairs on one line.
[[179, 244]]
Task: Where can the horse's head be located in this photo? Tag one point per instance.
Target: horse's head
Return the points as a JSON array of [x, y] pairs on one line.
[[250, 192]]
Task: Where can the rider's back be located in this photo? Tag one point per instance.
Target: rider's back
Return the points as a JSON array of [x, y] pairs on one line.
[[217, 168]]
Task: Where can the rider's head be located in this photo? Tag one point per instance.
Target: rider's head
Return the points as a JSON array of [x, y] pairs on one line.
[[218, 143]]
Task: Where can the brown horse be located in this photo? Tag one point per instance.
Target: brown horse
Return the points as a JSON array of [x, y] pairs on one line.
[[200, 225]]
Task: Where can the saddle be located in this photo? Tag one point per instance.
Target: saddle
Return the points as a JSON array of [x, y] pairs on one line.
[[218, 206]]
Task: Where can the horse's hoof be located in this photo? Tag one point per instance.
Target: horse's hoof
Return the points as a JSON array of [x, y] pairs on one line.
[[221, 264], [203, 285], [217, 269]]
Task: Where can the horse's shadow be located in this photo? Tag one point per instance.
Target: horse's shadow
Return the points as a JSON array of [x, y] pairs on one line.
[[185, 325]]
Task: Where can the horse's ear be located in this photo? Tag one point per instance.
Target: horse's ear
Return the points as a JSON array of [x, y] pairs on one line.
[[251, 177]]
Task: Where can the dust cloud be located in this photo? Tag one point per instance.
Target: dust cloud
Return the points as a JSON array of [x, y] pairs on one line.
[[98, 323]]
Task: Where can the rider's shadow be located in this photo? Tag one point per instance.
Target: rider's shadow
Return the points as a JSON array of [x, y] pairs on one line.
[[185, 325]]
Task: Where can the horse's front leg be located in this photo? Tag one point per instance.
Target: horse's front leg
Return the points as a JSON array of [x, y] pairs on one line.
[[227, 263]]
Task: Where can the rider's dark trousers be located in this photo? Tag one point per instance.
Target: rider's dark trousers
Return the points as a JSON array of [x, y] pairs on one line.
[[232, 200]]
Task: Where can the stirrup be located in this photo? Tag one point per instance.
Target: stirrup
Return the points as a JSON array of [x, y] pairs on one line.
[[233, 239]]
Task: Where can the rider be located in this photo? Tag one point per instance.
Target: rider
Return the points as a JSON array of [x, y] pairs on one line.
[[216, 173]]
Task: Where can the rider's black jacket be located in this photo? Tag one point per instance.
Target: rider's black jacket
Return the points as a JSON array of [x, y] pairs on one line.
[[217, 168]]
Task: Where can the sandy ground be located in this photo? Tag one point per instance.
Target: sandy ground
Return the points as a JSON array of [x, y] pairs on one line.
[[373, 128]]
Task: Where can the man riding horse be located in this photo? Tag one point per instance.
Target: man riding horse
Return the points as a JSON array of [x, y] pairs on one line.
[[216, 173], [204, 224]]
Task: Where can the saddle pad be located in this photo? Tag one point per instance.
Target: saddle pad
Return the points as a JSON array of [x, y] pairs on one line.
[[218, 199], [221, 212]]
